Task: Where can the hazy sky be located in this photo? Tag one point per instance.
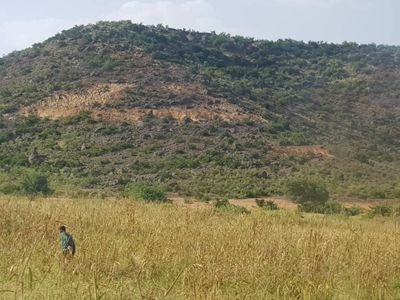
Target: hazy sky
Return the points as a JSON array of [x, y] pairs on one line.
[[23, 22]]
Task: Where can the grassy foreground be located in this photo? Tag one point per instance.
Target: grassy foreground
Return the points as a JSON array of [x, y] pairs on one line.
[[134, 250]]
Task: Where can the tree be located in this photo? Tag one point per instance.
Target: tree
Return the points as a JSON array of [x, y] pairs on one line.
[[307, 191], [33, 184]]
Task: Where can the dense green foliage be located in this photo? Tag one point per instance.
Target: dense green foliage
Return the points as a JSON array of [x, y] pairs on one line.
[[381, 210], [303, 190], [146, 192], [33, 184], [344, 97]]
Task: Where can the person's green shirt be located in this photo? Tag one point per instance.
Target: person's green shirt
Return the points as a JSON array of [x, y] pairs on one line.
[[67, 243]]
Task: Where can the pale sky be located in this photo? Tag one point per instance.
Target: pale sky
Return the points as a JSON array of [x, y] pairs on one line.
[[24, 22]]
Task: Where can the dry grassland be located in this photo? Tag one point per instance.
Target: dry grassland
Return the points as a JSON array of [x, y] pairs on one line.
[[135, 250]]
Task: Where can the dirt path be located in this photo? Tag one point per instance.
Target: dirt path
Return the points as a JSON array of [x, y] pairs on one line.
[[367, 204], [191, 202], [251, 202], [282, 202], [247, 203]]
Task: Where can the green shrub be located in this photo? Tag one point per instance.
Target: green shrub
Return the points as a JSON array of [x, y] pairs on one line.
[[224, 205], [332, 208], [279, 126], [9, 188], [293, 139], [268, 205], [34, 183], [352, 211], [82, 117], [372, 191], [146, 192], [381, 210], [329, 208], [304, 190], [5, 136], [311, 207], [260, 202]]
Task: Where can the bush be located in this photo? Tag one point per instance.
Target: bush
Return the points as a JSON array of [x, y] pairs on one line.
[[332, 208], [372, 191], [352, 211], [293, 139], [145, 192], [268, 205], [308, 193], [260, 202], [381, 210], [329, 208], [223, 204], [312, 207], [82, 117], [8, 188], [34, 183]]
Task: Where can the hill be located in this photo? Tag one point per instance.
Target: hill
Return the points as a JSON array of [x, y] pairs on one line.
[[103, 106]]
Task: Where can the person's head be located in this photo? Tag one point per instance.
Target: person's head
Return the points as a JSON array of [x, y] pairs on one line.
[[62, 228]]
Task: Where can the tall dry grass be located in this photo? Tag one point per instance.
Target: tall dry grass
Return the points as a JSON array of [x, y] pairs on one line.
[[134, 250]]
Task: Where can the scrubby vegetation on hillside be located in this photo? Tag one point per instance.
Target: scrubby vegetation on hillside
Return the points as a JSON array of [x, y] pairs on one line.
[[262, 97]]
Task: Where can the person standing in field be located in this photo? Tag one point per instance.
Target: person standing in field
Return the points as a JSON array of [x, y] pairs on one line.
[[67, 242]]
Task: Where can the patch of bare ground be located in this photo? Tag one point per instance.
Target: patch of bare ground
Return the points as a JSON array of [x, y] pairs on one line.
[[94, 99], [66, 105], [282, 203], [367, 204], [249, 203], [197, 113], [189, 202], [316, 150], [285, 203], [182, 88]]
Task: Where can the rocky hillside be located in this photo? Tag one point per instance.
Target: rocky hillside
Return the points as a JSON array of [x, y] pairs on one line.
[[102, 106]]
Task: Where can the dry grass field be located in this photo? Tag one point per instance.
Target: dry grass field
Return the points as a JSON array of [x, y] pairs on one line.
[[136, 250]]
